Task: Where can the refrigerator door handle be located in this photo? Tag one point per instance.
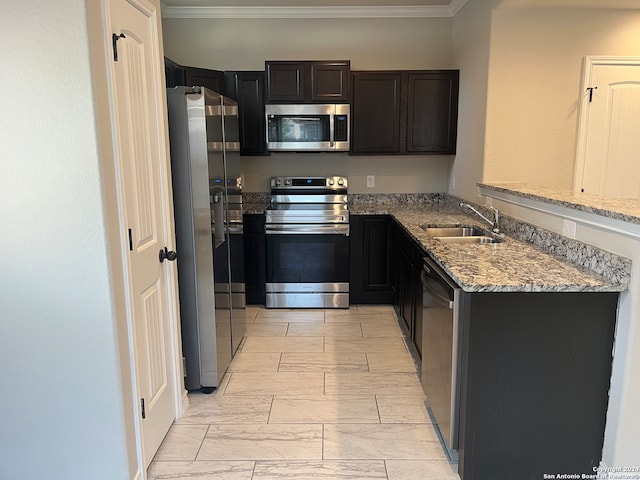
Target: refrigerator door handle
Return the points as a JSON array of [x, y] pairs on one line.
[[218, 219]]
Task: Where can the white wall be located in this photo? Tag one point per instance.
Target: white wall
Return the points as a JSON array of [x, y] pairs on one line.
[[370, 44], [64, 398], [535, 86]]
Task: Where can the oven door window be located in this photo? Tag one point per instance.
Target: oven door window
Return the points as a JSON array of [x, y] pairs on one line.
[[299, 128], [307, 258]]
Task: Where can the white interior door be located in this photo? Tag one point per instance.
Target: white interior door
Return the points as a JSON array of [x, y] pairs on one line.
[[609, 134], [145, 192]]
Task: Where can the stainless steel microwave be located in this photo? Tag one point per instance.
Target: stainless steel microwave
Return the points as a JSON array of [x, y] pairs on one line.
[[308, 127]]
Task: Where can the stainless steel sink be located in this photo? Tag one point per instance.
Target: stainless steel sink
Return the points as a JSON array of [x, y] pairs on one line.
[[469, 234], [454, 231], [481, 239]]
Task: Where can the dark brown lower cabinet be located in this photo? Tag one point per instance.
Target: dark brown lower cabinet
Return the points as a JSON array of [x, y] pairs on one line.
[[407, 301], [371, 274], [254, 259], [536, 369]]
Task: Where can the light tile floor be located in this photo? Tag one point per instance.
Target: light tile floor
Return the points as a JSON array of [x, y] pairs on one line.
[[312, 394]]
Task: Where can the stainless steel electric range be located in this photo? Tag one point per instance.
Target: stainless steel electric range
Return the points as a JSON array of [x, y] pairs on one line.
[[307, 243]]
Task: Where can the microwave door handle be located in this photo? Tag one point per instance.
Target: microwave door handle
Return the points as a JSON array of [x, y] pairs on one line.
[[332, 139]]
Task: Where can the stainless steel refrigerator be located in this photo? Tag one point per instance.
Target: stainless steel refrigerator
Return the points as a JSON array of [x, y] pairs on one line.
[[205, 169]]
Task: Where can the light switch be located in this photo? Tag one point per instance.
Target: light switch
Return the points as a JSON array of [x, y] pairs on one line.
[[371, 181], [569, 228]]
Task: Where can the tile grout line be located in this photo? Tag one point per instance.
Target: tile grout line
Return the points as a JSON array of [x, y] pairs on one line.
[[378, 409], [273, 399], [386, 470], [202, 443]]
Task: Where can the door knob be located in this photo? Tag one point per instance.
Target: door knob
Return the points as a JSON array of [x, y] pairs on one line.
[[167, 254]]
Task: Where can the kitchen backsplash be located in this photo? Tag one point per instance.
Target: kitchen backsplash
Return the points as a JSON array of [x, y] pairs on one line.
[[392, 174]]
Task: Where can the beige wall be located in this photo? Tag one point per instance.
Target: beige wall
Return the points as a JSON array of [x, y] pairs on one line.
[[535, 87], [393, 174], [245, 44], [370, 44], [471, 45]]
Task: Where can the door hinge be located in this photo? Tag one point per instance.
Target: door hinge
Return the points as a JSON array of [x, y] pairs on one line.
[[144, 414], [590, 90], [130, 240], [114, 39]]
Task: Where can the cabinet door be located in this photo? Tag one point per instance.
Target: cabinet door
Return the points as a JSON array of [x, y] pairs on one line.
[[254, 259], [407, 293], [376, 112], [432, 115], [248, 90], [330, 82], [174, 73], [371, 274], [202, 77], [416, 334], [285, 82], [534, 363]]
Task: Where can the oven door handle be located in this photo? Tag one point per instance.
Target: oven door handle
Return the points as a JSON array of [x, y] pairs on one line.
[[308, 229]]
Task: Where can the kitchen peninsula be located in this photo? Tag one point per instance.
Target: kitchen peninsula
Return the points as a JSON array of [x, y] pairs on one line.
[[536, 335]]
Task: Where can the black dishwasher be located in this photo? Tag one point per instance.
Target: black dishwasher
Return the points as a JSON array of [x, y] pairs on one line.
[[441, 352]]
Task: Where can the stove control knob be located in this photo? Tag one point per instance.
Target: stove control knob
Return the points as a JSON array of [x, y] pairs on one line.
[[331, 181], [341, 181], [287, 181], [278, 182]]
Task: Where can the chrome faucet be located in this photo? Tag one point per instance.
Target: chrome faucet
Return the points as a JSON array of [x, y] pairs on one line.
[[495, 223]]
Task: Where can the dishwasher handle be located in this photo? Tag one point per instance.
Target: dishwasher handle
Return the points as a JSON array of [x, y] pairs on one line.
[[426, 282]]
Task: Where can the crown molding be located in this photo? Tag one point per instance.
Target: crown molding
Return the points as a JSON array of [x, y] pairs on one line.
[[456, 5], [407, 11]]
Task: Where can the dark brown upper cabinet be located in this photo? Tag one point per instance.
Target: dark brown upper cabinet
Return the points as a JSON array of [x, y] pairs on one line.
[[432, 112], [375, 112], [405, 112], [173, 73], [176, 75], [308, 82], [202, 77], [247, 88]]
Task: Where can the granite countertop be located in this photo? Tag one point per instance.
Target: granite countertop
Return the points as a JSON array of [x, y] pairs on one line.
[[254, 208], [624, 209], [508, 266]]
